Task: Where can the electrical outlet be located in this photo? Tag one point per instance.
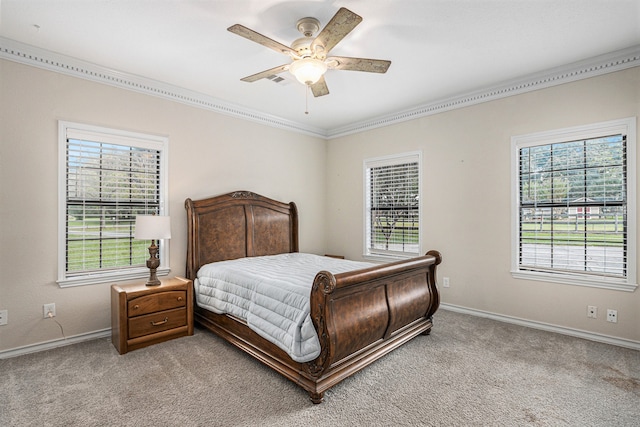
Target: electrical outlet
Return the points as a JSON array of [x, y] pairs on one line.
[[592, 311], [4, 317], [49, 310], [445, 282], [612, 316]]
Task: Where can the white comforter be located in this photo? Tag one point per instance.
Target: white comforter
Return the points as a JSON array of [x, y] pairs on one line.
[[271, 294]]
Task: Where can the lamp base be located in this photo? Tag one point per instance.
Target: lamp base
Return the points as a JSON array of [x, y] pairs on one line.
[[152, 264], [153, 278], [153, 283]]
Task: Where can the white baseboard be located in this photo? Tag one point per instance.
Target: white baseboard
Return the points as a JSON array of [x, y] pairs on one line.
[[592, 336], [105, 333], [48, 345]]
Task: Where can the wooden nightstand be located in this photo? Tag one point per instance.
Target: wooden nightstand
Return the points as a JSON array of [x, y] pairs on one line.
[[144, 315]]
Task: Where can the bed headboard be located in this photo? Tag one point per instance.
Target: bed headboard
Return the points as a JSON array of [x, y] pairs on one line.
[[236, 225]]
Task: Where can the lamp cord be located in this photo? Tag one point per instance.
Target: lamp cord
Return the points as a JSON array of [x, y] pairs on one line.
[[61, 330], [50, 315]]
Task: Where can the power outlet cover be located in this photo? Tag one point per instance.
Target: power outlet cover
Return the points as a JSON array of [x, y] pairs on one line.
[[49, 308], [4, 317]]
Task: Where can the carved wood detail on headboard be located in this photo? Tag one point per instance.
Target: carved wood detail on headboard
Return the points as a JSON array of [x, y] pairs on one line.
[[244, 195], [236, 225]]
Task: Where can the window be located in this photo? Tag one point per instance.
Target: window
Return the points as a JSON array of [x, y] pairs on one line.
[[574, 193], [392, 206], [106, 178]]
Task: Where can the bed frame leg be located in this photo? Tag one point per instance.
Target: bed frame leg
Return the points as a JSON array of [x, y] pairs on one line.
[[316, 397], [428, 331]]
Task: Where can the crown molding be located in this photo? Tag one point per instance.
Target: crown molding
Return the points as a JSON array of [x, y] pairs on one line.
[[41, 58], [603, 64]]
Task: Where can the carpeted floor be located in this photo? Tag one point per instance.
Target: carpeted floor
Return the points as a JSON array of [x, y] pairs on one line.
[[469, 372]]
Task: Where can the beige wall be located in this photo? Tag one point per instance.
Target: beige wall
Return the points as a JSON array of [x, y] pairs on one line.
[[466, 191], [209, 154], [467, 199]]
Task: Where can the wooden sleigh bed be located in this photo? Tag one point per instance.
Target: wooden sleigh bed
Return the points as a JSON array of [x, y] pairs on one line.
[[359, 316]]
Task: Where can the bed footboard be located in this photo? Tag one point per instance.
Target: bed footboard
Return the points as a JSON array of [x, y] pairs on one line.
[[362, 315]]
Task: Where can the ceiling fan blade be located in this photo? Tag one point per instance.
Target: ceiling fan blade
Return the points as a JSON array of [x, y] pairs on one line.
[[248, 33], [358, 64], [320, 88], [265, 73], [340, 25]]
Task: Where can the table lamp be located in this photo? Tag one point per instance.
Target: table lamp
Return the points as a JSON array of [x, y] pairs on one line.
[[154, 227]]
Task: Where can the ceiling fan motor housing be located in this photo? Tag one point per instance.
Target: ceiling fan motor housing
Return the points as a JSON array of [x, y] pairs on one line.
[[308, 27], [303, 47]]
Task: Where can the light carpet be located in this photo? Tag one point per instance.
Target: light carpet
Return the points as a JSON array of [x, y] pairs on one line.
[[469, 372]]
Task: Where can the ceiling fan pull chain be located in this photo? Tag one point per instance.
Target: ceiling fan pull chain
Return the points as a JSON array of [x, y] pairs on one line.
[[306, 99]]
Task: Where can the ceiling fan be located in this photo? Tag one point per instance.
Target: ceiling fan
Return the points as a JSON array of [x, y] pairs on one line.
[[309, 53]]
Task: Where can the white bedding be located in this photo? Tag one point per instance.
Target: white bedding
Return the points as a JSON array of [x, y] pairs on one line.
[[271, 293]]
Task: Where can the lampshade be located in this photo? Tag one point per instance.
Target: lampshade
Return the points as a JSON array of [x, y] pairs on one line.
[[308, 70], [152, 227]]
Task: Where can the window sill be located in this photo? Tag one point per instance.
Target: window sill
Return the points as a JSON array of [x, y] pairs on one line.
[[113, 276], [387, 258], [602, 283]]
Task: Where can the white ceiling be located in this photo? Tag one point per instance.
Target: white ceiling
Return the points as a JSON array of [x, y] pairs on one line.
[[439, 48]]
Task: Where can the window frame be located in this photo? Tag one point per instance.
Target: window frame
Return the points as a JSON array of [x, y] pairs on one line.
[[626, 126], [390, 160], [123, 138]]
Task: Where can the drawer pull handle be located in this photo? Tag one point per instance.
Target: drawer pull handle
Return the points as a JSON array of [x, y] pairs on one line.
[[135, 307], [162, 322], [179, 298]]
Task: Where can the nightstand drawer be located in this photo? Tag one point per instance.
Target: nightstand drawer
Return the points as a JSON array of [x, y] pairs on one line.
[[156, 302], [157, 322]]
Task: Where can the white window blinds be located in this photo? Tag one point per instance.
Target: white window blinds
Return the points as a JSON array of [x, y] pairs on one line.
[[392, 205], [108, 180], [574, 213], [573, 206]]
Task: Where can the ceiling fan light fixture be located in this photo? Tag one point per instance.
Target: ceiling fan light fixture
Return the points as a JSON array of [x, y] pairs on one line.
[[308, 70]]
